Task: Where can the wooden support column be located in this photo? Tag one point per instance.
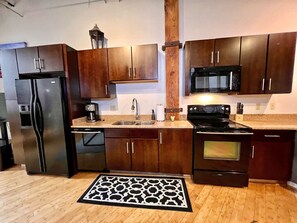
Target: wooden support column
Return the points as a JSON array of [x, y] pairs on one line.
[[172, 55]]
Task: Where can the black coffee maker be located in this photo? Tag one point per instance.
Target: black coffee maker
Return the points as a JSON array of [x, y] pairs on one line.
[[92, 112]]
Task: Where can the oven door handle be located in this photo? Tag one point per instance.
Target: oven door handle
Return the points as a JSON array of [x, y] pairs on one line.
[[225, 133], [86, 132]]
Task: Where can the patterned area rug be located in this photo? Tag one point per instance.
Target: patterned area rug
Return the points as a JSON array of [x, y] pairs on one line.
[[164, 193]]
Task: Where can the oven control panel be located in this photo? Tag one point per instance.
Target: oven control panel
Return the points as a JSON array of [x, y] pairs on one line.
[[209, 109]]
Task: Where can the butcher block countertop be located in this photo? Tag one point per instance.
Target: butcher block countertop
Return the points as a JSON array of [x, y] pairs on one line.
[[107, 122], [270, 122]]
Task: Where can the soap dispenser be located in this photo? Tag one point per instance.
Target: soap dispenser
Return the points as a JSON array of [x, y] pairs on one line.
[[153, 115]]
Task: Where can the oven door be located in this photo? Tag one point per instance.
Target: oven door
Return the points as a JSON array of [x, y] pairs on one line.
[[219, 151]]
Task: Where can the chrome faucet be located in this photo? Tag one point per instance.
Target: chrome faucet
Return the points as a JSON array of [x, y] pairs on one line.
[[135, 106]]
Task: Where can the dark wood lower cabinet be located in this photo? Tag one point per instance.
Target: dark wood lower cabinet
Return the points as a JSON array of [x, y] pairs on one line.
[[145, 155], [118, 153], [272, 155], [175, 151], [131, 150]]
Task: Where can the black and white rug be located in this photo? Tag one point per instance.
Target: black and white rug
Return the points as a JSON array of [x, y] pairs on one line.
[[165, 193]]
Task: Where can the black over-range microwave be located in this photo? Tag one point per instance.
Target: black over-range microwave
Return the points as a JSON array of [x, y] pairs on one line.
[[215, 79]]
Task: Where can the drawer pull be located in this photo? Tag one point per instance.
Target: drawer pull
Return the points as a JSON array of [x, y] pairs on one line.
[[253, 152], [272, 136]]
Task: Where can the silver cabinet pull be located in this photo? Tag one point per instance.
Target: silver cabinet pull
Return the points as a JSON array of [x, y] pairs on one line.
[[127, 147], [129, 72], [134, 73], [41, 63], [253, 152], [270, 80], [263, 84], [106, 89], [218, 57], [161, 140], [36, 66], [132, 146], [272, 136], [211, 57], [231, 80]]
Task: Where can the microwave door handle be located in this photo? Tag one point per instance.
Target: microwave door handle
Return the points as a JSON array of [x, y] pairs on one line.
[[231, 80]]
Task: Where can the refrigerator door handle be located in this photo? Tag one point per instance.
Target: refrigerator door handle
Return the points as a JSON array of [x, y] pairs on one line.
[[39, 118], [35, 106]]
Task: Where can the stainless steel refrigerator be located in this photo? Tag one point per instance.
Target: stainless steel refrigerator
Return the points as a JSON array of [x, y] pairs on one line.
[[43, 110]]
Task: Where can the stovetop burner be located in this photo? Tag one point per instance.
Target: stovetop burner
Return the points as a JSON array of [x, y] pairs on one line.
[[213, 118]]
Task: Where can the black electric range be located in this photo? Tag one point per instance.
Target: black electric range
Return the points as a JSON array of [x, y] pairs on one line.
[[221, 147]]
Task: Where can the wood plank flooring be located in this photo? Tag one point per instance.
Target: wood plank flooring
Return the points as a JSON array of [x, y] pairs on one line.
[[40, 198]]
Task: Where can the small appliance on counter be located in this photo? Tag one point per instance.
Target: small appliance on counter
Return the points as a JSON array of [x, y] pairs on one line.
[[92, 112]]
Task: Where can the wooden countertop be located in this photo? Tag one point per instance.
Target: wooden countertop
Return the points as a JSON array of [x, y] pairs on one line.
[[81, 123]]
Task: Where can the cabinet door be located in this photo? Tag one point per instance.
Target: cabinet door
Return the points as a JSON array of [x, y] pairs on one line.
[[145, 62], [202, 53], [280, 63], [253, 64], [93, 73], [118, 155], [271, 161], [272, 155], [175, 151], [144, 155], [227, 51], [51, 58], [119, 63], [27, 60]]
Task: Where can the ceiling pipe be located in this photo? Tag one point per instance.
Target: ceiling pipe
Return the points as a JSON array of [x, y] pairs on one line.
[[12, 5]]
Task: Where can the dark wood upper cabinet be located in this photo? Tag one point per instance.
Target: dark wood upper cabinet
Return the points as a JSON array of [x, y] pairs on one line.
[[93, 74], [40, 59], [280, 63], [136, 63], [253, 64], [267, 63], [215, 52]]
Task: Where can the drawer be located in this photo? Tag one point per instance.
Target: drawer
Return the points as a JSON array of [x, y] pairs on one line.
[[144, 133], [273, 135], [116, 133], [234, 179]]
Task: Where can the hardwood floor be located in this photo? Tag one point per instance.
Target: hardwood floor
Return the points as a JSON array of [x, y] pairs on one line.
[[39, 198]]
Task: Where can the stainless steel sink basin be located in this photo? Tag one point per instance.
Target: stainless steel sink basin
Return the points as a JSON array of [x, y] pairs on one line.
[[134, 123], [124, 123]]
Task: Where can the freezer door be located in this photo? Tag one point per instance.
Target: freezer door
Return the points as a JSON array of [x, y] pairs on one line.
[[33, 156], [50, 95]]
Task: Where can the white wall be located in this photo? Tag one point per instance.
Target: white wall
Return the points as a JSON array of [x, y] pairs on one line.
[[132, 22]]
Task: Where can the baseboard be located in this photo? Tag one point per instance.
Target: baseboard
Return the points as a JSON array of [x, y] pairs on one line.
[[292, 184]]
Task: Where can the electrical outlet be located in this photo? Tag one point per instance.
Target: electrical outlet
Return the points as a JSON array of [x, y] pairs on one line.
[[112, 107], [272, 106], [258, 106]]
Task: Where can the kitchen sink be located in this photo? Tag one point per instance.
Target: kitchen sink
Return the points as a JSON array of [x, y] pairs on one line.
[[134, 123]]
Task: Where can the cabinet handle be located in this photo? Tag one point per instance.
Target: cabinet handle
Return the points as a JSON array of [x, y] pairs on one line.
[[129, 72], [161, 140], [132, 145], [272, 136], [35, 61], [127, 147], [270, 80], [218, 57], [231, 80], [211, 57], [106, 89], [263, 84], [253, 152], [41, 63], [134, 73]]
